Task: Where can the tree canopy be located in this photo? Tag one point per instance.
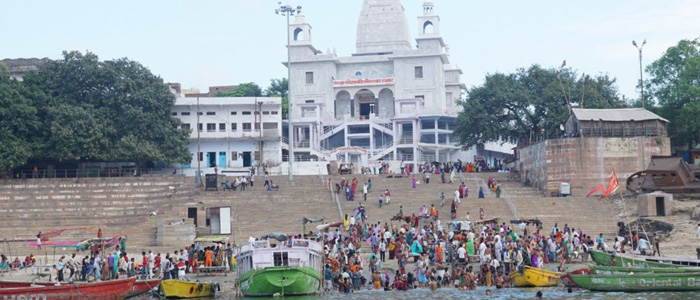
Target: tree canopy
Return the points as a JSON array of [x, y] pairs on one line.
[[528, 102], [81, 109], [249, 89], [279, 87], [674, 86]]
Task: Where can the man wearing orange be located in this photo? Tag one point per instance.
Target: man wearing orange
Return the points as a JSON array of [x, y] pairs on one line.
[[207, 262]]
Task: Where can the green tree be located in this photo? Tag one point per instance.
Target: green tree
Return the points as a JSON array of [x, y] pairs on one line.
[[279, 88], [95, 110], [674, 85], [249, 89], [528, 103], [18, 122]]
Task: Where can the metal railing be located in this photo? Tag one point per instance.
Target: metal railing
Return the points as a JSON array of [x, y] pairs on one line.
[[334, 196], [480, 182]]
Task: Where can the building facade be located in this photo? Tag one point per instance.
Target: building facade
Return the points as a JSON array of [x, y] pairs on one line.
[[386, 102], [231, 132]]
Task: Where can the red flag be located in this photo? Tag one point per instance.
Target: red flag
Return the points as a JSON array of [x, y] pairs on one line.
[[613, 185]]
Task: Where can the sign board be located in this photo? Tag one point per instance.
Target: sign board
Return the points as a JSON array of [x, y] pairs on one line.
[[211, 182], [368, 81]]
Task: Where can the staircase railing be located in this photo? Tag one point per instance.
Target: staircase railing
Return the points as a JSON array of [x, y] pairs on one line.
[[480, 182], [334, 196]]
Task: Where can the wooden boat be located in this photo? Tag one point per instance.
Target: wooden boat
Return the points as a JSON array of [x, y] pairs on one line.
[[289, 271], [534, 277], [604, 258], [21, 284], [566, 278], [178, 289], [639, 282], [143, 286], [628, 270], [107, 290]]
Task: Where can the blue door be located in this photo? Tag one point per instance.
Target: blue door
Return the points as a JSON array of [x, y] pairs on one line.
[[222, 159]]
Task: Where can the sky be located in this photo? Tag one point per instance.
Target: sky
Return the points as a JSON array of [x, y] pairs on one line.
[[216, 42]]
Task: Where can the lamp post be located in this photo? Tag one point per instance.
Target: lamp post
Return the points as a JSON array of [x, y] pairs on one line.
[[287, 11], [641, 79], [260, 143]]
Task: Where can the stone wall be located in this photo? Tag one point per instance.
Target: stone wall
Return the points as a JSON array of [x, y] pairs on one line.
[[586, 162]]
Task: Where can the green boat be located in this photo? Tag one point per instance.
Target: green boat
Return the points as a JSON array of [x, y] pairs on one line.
[[266, 270], [604, 259], [627, 270], [641, 282]]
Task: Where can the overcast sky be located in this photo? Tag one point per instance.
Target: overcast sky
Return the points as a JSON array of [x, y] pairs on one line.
[[216, 42]]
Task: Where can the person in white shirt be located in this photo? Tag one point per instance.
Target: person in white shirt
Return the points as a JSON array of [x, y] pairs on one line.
[[151, 263], [456, 196], [364, 191], [482, 252], [697, 233], [462, 253]]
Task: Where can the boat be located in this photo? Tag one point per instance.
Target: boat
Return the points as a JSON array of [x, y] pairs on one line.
[[623, 260], [566, 278], [534, 277], [267, 270], [180, 289], [107, 290], [628, 270], [639, 282], [143, 286]]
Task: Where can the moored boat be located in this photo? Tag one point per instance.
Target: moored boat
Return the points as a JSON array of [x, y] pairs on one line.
[[107, 290], [604, 258], [566, 278], [639, 282], [628, 270], [292, 270], [534, 277], [179, 289], [143, 286]]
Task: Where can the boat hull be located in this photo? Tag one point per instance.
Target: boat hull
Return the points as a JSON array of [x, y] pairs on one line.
[[641, 282], [107, 290], [287, 281], [534, 277], [143, 286], [568, 281], [178, 289], [628, 270], [603, 258]]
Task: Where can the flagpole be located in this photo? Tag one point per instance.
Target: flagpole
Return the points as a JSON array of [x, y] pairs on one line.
[[583, 88]]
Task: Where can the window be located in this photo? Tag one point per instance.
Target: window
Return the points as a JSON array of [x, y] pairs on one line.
[[174, 113], [245, 113], [419, 72], [222, 127], [309, 77], [211, 127], [234, 127], [185, 113], [422, 99], [256, 156], [200, 113], [199, 127], [274, 112], [280, 259], [186, 126], [309, 101], [257, 112], [233, 113], [247, 127], [201, 156], [257, 126], [211, 113], [266, 112], [234, 156]]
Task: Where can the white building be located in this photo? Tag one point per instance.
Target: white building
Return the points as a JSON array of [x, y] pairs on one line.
[[230, 135], [388, 101]]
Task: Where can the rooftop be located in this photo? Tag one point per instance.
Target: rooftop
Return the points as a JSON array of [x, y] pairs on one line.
[[615, 114]]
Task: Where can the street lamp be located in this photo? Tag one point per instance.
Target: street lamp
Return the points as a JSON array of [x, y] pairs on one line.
[[260, 143], [641, 79], [287, 11]]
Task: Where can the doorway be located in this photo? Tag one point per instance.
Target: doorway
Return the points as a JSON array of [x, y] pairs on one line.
[[660, 208], [222, 159], [211, 159], [366, 109], [247, 159], [192, 214]]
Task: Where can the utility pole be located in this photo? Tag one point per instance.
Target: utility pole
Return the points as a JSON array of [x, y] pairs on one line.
[[199, 151], [641, 78]]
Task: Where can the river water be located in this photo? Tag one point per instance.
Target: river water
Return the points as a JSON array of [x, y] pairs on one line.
[[480, 293]]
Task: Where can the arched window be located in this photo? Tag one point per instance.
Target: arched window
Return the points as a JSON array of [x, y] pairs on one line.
[[427, 27], [299, 34]]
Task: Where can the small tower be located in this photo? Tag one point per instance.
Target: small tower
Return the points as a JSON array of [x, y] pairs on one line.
[[429, 30], [300, 38]]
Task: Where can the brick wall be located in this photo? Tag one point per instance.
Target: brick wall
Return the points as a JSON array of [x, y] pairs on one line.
[[587, 162]]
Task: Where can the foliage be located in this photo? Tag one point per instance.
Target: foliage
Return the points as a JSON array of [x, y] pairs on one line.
[[674, 85], [112, 110], [279, 87], [18, 121], [528, 103], [243, 90]]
